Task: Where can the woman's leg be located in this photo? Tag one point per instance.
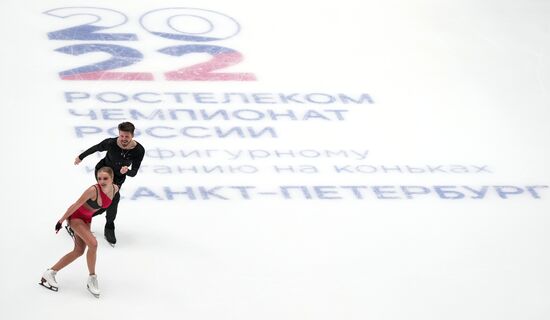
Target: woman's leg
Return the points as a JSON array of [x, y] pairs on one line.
[[79, 247], [82, 230]]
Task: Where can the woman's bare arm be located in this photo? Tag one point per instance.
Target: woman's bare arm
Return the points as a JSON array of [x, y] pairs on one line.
[[88, 194]]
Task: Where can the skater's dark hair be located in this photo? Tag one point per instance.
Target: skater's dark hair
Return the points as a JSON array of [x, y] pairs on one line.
[[108, 170], [127, 127]]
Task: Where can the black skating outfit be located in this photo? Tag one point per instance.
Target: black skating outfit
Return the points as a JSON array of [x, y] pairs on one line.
[[115, 158]]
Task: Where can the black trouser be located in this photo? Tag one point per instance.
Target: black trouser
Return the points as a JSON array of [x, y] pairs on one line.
[[111, 212]]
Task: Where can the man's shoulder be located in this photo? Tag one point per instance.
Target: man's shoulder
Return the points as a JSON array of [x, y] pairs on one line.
[[139, 147], [108, 144], [109, 140]]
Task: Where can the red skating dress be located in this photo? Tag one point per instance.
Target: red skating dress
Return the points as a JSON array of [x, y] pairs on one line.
[[83, 213]]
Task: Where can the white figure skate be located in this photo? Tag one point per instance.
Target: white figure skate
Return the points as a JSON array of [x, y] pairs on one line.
[[93, 285], [48, 280]]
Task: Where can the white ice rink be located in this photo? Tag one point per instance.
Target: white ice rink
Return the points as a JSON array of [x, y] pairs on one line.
[[389, 161]]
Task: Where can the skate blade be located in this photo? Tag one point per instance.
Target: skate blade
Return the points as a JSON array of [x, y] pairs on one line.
[[45, 284], [69, 231], [112, 244], [93, 294]]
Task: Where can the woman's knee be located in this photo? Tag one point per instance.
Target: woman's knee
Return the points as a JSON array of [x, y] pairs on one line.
[[92, 244], [79, 250]]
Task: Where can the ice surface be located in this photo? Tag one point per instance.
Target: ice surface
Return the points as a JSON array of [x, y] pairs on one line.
[[461, 83]]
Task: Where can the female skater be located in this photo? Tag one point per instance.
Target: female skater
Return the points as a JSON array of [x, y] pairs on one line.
[[79, 217]]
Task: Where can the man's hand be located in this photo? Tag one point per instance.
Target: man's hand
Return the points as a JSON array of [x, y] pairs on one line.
[[123, 170], [77, 161]]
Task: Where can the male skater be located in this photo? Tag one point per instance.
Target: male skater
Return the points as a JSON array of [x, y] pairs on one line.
[[123, 152]]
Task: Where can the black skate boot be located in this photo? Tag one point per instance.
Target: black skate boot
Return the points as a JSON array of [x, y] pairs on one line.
[[110, 234]]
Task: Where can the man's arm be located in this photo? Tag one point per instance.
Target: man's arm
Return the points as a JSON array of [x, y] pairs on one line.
[[136, 163], [102, 146]]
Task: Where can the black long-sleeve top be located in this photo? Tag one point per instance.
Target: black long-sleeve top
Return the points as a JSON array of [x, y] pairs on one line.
[[116, 158]]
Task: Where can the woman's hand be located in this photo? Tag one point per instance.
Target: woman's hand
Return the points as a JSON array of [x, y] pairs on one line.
[[58, 226]]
